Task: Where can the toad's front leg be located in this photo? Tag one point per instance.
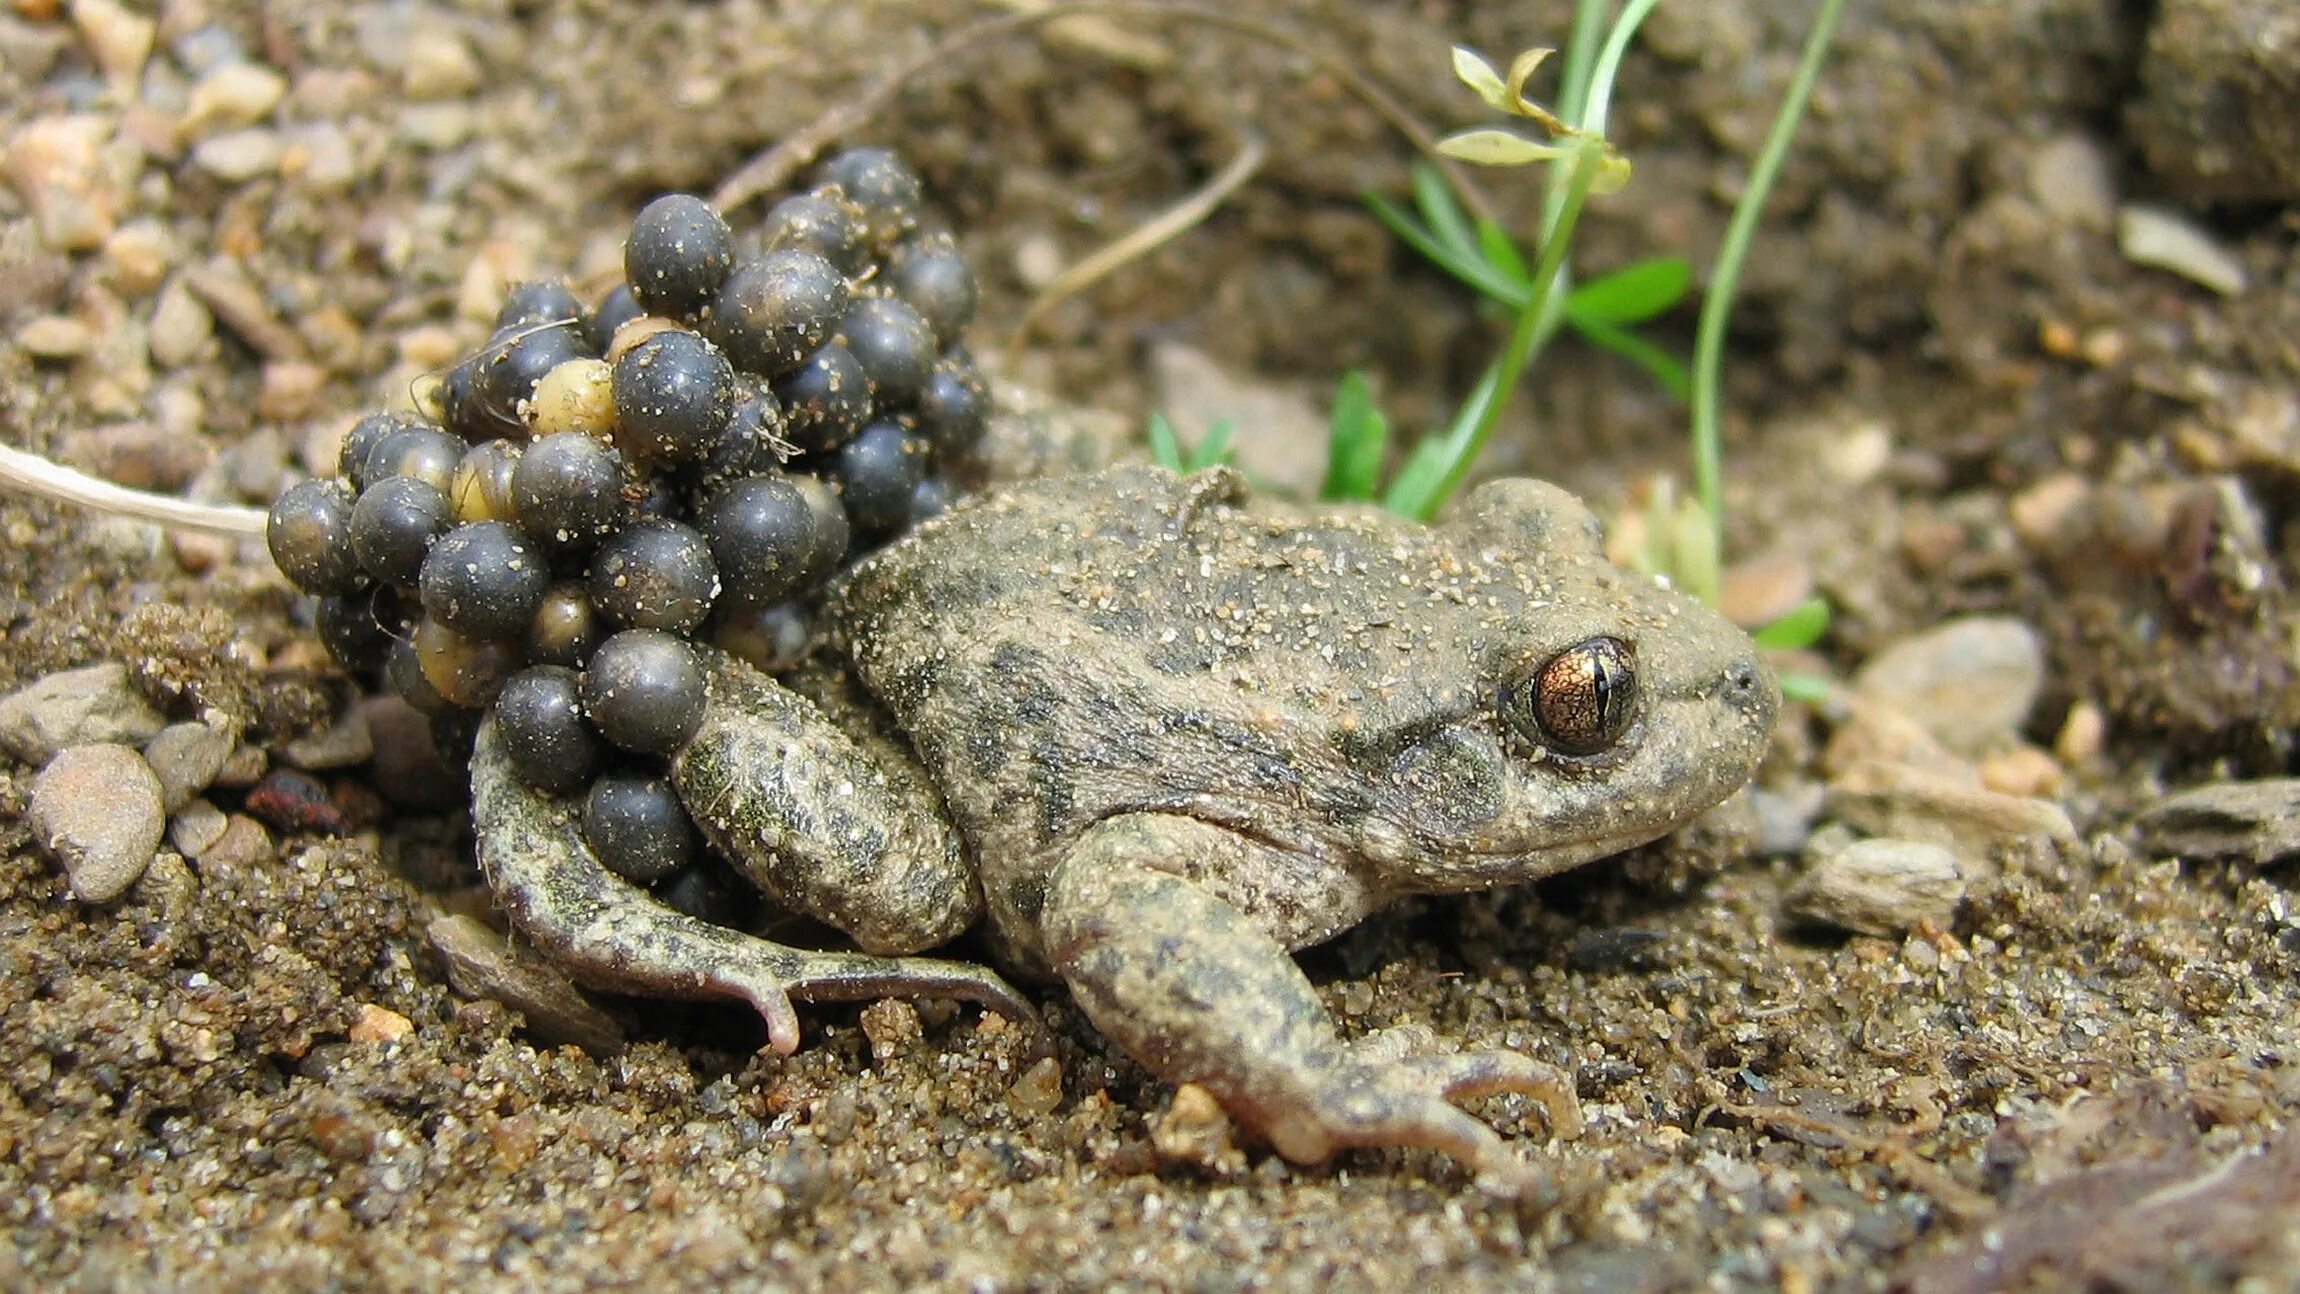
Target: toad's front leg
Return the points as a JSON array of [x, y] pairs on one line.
[[816, 816], [1197, 990]]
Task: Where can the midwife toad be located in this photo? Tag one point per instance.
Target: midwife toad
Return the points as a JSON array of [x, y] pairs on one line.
[[1160, 736]]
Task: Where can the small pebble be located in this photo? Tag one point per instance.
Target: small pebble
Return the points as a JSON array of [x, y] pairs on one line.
[[319, 158], [1970, 682], [75, 707], [892, 1025], [2081, 734], [2166, 240], [186, 758], [1196, 390], [119, 41], [1196, 1131], [244, 843], [1785, 816], [55, 337], [139, 255], [1039, 1090], [2071, 178], [1873, 731], [56, 163], [140, 455], [406, 766], [239, 156], [290, 389], [1880, 887], [232, 97], [181, 326], [2043, 514], [1759, 591], [341, 744], [2023, 770], [195, 828], [294, 801], [435, 127], [379, 1024], [96, 809], [439, 65], [244, 768]]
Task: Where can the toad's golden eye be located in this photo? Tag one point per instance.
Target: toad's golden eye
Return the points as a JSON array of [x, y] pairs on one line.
[[1582, 701]]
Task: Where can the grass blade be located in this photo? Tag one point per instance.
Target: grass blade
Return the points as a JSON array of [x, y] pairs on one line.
[[1165, 446], [1664, 368], [1433, 197], [1357, 443], [1501, 254], [1214, 450]]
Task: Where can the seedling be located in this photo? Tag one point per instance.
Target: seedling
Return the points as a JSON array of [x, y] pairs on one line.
[[1684, 538], [1166, 449]]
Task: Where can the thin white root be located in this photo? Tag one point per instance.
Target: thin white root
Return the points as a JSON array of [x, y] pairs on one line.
[[37, 476]]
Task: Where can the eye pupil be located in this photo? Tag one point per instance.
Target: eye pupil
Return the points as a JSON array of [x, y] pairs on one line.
[[1585, 697]]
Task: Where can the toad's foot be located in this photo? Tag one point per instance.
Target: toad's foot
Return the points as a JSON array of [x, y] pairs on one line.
[[1198, 992], [612, 934]]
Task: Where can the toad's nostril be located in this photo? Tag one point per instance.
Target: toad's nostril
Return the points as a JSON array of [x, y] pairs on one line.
[[1743, 685]]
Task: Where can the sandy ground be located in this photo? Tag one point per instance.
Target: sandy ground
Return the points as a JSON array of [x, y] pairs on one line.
[[1953, 395]]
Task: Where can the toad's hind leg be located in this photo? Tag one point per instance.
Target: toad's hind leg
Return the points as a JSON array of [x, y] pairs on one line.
[[1197, 991], [612, 934]]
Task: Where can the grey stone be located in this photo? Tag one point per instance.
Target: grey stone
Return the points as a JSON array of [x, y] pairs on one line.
[[1970, 682], [1901, 801], [341, 744], [195, 828], [1880, 887], [483, 964], [75, 707], [2257, 822], [1785, 817], [96, 809], [186, 757]]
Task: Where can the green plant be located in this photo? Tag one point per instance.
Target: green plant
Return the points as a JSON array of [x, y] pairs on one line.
[[1683, 536], [1167, 451], [1605, 311]]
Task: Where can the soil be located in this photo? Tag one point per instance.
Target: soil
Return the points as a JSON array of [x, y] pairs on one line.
[[1950, 394]]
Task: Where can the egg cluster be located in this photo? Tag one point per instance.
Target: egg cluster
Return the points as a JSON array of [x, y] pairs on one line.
[[596, 489]]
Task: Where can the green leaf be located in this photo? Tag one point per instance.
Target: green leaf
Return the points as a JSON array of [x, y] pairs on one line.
[[1434, 198], [1501, 254], [1165, 446], [1214, 450], [1812, 689], [1633, 293], [1357, 442], [1490, 147], [1801, 627], [1665, 369]]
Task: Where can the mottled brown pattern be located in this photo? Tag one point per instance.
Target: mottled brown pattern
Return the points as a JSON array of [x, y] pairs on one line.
[[1161, 735]]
